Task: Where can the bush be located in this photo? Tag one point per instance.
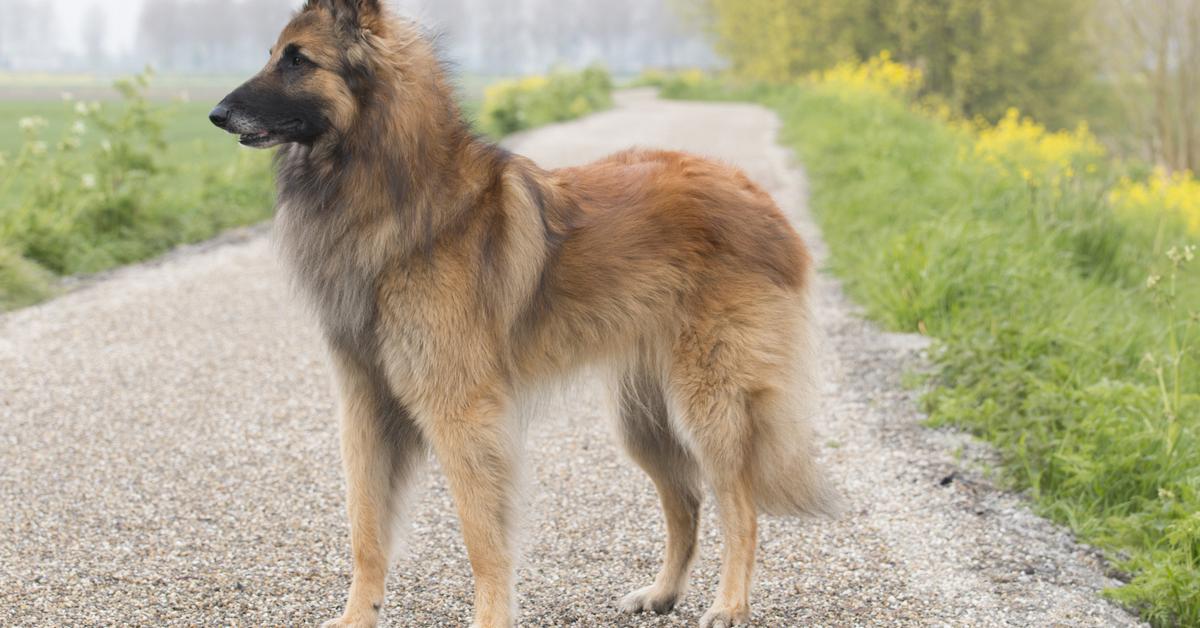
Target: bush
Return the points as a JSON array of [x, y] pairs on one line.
[[110, 191], [511, 106], [21, 281], [680, 83], [1061, 291], [700, 85]]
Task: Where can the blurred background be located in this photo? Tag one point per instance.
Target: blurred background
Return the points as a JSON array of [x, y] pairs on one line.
[[1014, 178], [231, 37], [1128, 67]]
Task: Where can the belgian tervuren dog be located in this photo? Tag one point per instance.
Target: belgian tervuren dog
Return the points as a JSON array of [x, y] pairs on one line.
[[452, 278]]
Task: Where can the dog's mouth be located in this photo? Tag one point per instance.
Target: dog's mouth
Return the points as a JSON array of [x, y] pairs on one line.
[[264, 138], [259, 138]]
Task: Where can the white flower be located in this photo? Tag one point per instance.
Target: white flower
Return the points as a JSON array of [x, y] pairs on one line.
[[38, 148], [106, 146], [79, 128], [81, 108], [32, 123], [1177, 255], [1152, 281], [68, 96], [88, 181]]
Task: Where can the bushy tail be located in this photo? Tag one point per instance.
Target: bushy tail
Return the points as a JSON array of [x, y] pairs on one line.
[[788, 479], [787, 476]]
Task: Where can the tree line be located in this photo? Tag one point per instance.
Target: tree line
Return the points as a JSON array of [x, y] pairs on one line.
[[480, 36], [1132, 66]]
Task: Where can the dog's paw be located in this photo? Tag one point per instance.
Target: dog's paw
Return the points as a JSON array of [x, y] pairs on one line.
[[725, 617], [651, 598], [347, 621]]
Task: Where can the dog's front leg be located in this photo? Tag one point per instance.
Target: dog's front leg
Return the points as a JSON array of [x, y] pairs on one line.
[[381, 451], [478, 450]]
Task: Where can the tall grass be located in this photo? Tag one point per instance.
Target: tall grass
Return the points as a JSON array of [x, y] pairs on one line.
[[109, 189], [533, 101], [1065, 319]]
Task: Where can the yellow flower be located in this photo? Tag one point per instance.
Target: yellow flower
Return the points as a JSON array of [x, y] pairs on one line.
[[533, 83], [1177, 194], [877, 75], [1021, 147]]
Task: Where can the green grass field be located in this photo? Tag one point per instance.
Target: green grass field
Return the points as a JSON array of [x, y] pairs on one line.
[[185, 124]]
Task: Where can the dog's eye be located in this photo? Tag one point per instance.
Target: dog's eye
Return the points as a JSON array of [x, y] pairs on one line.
[[298, 60]]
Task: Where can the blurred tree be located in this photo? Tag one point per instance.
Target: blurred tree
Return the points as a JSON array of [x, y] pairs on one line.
[[777, 40], [210, 35], [161, 32], [981, 56], [95, 28], [520, 36], [984, 56], [482, 36], [28, 30], [1151, 54]]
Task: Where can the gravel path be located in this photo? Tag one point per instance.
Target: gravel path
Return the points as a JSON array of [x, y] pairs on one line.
[[168, 456]]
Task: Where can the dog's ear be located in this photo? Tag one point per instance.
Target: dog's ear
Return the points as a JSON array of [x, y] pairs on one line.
[[353, 13]]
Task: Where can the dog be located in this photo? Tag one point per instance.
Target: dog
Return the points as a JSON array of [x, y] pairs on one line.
[[452, 279]]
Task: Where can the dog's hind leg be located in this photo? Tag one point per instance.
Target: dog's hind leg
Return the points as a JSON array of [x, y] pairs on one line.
[[706, 391], [381, 451], [647, 436]]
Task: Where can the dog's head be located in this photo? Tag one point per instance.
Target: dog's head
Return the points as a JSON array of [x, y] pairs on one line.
[[320, 71]]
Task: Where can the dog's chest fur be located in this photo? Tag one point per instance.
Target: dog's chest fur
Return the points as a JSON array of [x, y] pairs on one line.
[[414, 324], [327, 262]]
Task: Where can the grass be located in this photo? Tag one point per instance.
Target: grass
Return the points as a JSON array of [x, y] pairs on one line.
[[1065, 333], [86, 187], [533, 101], [185, 125]]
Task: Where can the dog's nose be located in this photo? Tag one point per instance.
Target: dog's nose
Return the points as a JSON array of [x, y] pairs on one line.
[[219, 116]]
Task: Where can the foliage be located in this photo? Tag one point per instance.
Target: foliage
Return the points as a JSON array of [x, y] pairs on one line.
[[511, 106], [22, 282], [879, 74], [680, 83], [979, 57], [1178, 194], [777, 40], [1019, 250], [1019, 147], [110, 191], [985, 57]]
